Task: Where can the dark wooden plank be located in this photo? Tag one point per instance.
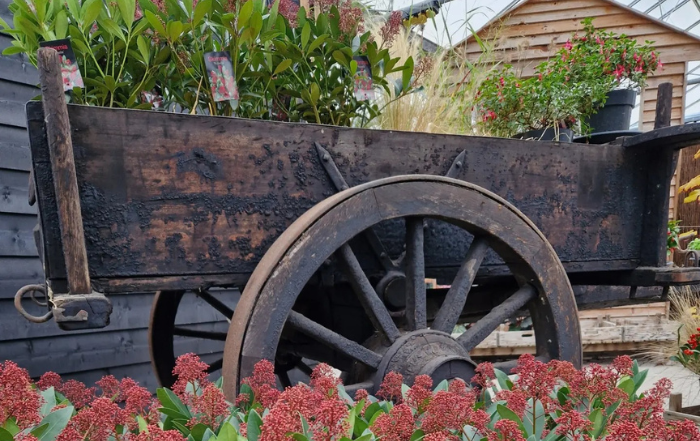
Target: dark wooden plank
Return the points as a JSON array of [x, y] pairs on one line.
[[16, 235], [664, 106], [16, 272], [65, 354], [16, 68], [194, 195], [12, 113], [63, 170], [14, 192], [130, 312], [13, 136], [14, 157], [18, 92]]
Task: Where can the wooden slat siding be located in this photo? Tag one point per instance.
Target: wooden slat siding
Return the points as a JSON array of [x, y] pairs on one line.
[[14, 157], [14, 192], [16, 238], [16, 68], [532, 32]]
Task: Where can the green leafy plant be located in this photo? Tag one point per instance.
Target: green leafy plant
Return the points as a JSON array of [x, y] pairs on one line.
[[569, 87], [287, 64], [674, 230], [539, 402]]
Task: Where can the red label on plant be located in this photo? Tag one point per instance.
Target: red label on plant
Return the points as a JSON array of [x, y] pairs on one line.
[[221, 79], [69, 65]]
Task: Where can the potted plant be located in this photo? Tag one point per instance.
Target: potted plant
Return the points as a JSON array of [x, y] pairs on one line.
[[548, 106], [618, 61]]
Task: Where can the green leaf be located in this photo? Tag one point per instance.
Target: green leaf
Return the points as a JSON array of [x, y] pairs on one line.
[[5, 435], [169, 400], [272, 18], [638, 379], [209, 435], [90, 11], [371, 410], [563, 395], [143, 48], [534, 418], [57, 421], [143, 425], [300, 437], [360, 424], [181, 427], [39, 430], [407, 74], [127, 8], [11, 426], [49, 397], [12, 50], [503, 380], [256, 23], [112, 28], [227, 433], [508, 414], [174, 30], [155, 22], [417, 435], [284, 65], [315, 93], [254, 424], [598, 420], [351, 421], [344, 395], [305, 35], [245, 13], [627, 386], [61, 25], [198, 431], [317, 43], [202, 8], [340, 58]]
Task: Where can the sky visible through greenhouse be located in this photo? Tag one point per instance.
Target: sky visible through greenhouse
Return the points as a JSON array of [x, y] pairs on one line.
[[458, 17]]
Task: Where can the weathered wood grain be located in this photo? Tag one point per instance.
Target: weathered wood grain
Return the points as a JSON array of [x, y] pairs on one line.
[[192, 195], [16, 238], [58, 132], [14, 193]]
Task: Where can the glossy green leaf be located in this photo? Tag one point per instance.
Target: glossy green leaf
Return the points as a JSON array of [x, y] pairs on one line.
[[417, 435], [315, 93], [627, 385], [598, 420], [508, 414], [317, 43], [300, 437], [340, 58], [5, 435], [284, 65], [254, 425], [74, 8], [198, 431], [305, 35], [56, 421], [155, 22], [127, 8], [143, 49], [61, 25], [203, 8], [181, 427], [49, 401], [169, 400], [245, 14], [112, 28], [174, 30], [90, 11], [12, 50], [272, 17], [227, 432], [11, 426], [256, 23]]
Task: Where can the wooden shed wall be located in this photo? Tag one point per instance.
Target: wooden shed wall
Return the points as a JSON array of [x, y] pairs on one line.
[[534, 31], [121, 348]]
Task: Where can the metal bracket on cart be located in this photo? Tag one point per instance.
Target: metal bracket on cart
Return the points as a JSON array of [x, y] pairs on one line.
[[70, 311]]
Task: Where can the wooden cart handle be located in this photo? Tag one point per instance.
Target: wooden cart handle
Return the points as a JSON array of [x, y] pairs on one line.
[[63, 170]]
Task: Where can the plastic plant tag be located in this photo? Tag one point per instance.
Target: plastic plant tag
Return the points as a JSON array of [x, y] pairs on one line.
[[363, 79], [69, 65], [221, 79]]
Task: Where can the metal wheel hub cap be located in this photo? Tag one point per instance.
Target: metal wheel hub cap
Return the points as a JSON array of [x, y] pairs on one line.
[[426, 352]]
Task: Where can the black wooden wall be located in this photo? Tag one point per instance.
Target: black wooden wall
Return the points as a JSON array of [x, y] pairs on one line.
[[120, 349]]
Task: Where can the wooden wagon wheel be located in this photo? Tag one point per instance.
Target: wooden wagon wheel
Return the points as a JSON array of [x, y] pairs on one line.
[[163, 330], [266, 306]]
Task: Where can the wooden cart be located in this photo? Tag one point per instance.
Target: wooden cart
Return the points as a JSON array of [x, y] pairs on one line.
[[331, 232]]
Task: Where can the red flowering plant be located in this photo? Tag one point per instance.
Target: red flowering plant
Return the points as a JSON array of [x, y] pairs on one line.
[[539, 402], [689, 353]]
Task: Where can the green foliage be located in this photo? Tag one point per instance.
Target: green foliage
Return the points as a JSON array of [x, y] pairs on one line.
[[674, 230], [568, 88], [286, 66]]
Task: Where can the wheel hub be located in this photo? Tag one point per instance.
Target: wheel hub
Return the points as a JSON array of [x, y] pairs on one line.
[[426, 352]]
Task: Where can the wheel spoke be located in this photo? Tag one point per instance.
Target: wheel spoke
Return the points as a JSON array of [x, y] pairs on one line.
[[415, 275], [303, 367], [352, 388], [284, 379], [215, 366], [216, 303], [207, 335], [379, 250], [333, 340], [372, 304], [481, 329], [456, 297]]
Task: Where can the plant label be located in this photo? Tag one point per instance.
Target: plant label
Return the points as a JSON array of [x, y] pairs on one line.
[[221, 79], [363, 79], [69, 65]]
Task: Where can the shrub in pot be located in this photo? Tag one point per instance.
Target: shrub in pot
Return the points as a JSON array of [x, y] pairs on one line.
[[617, 61]]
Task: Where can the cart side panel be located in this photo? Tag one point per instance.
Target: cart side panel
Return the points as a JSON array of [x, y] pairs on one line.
[[172, 195]]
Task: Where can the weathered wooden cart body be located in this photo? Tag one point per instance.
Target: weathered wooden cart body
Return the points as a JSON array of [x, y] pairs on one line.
[[171, 202]]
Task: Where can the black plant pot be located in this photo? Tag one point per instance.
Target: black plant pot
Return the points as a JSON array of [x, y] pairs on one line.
[[565, 135], [616, 114]]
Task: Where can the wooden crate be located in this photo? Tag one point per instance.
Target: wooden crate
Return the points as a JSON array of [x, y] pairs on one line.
[[676, 411]]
